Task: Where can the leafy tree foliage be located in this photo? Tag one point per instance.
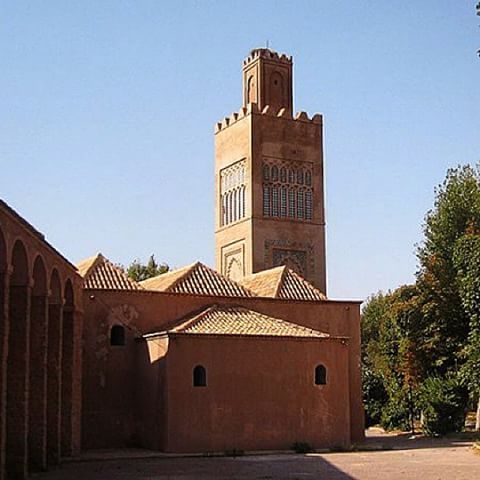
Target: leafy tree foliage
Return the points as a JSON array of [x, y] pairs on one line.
[[467, 261], [421, 343], [457, 208], [138, 271], [391, 372]]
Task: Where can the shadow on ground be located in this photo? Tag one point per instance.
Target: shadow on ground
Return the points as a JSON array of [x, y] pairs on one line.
[[248, 467], [377, 439]]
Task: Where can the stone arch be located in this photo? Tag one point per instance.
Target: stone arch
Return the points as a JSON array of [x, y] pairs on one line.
[[37, 432], [234, 269], [54, 362], [18, 362], [251, 90], [68, 331]]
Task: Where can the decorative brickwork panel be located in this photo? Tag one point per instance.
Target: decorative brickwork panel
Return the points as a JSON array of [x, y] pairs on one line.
[[296, 255], [294, 259], [232, 193], [287, 189], [234, 268]]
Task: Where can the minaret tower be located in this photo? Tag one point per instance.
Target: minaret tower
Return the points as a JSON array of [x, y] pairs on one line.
[[269, 195]]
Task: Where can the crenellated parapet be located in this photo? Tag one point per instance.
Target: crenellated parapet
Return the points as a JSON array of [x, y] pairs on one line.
[[267, 54], [252, 108]]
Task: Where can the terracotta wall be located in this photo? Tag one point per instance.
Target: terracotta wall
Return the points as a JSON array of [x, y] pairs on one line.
[[260, 394], [153, 311], [40, 352]]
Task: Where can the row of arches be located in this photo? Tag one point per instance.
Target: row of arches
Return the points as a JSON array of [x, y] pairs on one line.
[[291, 176], [37, 327]]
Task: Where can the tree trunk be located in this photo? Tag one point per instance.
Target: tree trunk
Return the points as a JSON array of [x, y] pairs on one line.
[[477, 423]]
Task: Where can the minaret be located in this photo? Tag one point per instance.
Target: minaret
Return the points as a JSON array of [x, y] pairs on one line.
[[269, 194]]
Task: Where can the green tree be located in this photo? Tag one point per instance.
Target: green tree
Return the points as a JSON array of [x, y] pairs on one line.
[[138, 271], [391, 364], [467, 261], [456, 208], [375, 397]]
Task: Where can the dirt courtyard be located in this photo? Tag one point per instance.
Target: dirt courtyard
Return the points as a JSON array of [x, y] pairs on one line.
[[425, 459]]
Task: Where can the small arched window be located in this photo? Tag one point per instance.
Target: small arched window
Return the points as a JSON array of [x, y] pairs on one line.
[[300, 177], [274, 173], [320, 375], [199, 376], [308, 178], [291, 176], [266, 172], [117, 335]]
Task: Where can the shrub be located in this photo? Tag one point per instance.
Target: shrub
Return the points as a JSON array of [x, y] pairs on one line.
[[395, 416], [396, 412], [442, 401], [374, 396]]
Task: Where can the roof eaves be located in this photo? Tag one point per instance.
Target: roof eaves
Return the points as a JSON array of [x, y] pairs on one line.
[[33, 231]]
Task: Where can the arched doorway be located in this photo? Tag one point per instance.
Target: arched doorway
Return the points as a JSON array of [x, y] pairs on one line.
[[54, 362], [37, 434], [18, 363], [67, 369]]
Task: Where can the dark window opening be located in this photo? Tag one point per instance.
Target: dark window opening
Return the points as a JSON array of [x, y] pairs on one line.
[[117, 335], [199, 376], [320, 375]]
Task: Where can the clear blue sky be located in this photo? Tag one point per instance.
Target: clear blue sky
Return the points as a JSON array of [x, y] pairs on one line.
[[108, 107]]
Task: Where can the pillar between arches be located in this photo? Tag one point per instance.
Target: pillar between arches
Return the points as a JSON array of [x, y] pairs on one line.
[[67, 380], [5, 273], [37, 438], [54, 383], [18, 381]]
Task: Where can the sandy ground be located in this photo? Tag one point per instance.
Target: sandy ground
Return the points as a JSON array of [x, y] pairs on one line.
[[425, 459]]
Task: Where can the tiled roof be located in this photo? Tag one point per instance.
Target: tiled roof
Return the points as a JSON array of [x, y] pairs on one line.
[[99, 273], [225, 320], [282, 282], [197, 279]]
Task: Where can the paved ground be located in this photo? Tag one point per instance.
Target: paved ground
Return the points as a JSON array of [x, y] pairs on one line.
[[424, 459]]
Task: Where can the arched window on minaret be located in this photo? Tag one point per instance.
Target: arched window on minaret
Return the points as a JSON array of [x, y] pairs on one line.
[[283, 202], [291, 203], [275, 201], [274, 173], [251, 93], [266, 200], [242, 201], [266, 173], [308, 205], [234, 206], [224, 209], [300, 205]]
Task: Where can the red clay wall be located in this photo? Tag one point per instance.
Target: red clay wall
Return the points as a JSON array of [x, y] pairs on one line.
[[153, 311], [40, 350], [260, 394], [109, 385]]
